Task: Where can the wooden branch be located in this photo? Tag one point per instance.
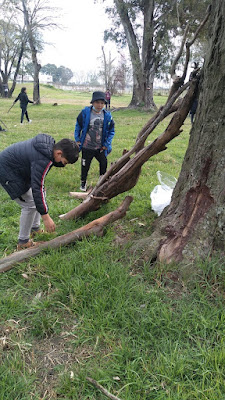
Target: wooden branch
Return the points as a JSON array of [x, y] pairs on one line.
[[95, 227], [102, 389], [79, 195]]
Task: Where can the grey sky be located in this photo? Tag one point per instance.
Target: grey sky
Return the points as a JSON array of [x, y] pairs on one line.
[[78, 46]]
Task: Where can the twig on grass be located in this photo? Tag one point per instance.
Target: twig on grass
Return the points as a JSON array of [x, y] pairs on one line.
[[102, 389]]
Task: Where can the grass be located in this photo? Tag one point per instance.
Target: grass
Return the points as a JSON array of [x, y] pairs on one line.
[[92, 309]]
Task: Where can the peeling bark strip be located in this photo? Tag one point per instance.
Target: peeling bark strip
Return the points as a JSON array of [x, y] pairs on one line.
[[197, 203], [95, 227]]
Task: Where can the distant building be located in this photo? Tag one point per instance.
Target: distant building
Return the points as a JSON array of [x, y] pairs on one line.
[[44, 79]]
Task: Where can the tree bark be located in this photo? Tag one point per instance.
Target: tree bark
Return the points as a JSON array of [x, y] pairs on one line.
[[95, 227], [193, 225]]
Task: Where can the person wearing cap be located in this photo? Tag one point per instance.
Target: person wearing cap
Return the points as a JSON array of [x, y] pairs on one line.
[[94, 131]]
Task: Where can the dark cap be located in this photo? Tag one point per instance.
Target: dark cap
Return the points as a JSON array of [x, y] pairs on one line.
[[98, 96]]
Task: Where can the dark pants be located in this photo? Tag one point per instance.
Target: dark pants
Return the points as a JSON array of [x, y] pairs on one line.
[[24, 112], [107, 105], [87, 157]]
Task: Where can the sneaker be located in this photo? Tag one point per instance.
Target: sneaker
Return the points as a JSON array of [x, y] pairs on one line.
[[27, 245], [36, 232], [83, 186], [30, 121]]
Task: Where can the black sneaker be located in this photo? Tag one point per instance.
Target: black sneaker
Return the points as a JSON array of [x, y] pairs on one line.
[[83, 186]]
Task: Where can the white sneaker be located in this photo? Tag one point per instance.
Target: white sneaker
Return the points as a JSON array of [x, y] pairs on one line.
[[83, 186], [30, 121]]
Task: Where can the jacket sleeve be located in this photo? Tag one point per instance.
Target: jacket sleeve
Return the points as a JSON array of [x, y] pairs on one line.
[[78, 127], [30, 101], [39, 170], [110, 133], [17, 99]]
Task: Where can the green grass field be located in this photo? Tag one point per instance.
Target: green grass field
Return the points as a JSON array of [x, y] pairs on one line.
[[93, 309]]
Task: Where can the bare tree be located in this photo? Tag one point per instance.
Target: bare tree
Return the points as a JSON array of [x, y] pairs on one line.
[[37, 16], [109, 70]]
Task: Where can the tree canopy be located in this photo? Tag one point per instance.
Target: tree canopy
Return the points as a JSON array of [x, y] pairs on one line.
[[151, 29], [59, 74]]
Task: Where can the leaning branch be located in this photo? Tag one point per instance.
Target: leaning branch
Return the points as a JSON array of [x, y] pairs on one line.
[[95, 227]]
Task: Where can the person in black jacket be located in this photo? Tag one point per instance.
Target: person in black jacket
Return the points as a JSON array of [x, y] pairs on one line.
[[23, 98], [23, 168]]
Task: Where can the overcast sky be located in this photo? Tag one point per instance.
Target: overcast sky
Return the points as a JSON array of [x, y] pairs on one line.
[[78, 45]]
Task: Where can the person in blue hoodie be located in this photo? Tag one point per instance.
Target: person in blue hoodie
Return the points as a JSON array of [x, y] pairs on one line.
[[23, 168], [94, 131]]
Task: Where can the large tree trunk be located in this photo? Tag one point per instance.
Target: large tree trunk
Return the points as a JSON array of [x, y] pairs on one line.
[[143, 67], [193, 226]]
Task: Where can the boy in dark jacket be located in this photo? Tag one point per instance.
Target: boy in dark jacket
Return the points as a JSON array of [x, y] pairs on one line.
[[94, 131], [23, 168], [23, 98]]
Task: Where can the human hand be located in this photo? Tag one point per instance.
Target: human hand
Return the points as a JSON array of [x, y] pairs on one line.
[[48, 223]]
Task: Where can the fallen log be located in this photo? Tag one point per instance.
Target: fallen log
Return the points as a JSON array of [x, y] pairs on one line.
[[95, 227]]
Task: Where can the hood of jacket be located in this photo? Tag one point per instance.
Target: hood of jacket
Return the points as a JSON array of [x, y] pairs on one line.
[[44, 144]]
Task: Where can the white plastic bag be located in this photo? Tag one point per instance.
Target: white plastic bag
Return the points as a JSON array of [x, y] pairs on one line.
[[161, 194]]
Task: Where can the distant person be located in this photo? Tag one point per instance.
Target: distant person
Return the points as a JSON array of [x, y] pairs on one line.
[[6, 90], [23, 168], [108, 98], [94, 131], [23, 98], [193, 109]]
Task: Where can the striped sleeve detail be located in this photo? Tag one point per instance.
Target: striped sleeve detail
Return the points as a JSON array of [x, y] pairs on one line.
[[43, 195]]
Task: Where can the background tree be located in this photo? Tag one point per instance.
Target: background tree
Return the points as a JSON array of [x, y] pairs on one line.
[[50, 69], [108, 70], [149, 29], [59, 75], [13, 46], [64, 75], [37, 15]]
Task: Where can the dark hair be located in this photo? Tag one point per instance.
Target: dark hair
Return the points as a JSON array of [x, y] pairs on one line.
[[23, 89], [69, 149]]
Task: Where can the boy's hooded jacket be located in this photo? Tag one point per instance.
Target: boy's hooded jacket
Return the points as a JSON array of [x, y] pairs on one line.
[[24, 165], [82, 126]]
